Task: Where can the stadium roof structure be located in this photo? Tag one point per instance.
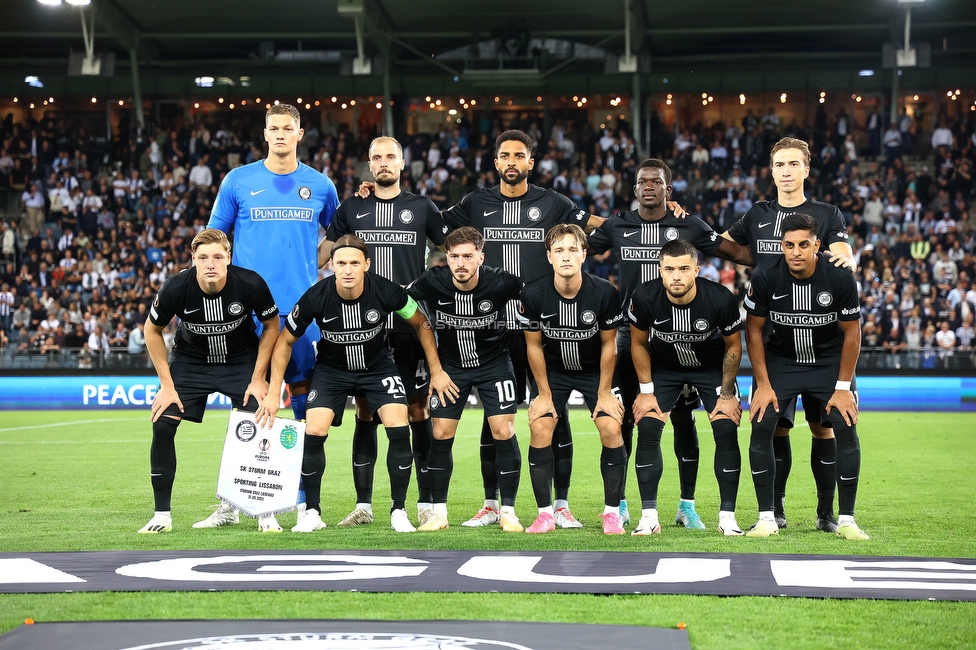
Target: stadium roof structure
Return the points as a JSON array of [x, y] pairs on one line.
[[328, 46]]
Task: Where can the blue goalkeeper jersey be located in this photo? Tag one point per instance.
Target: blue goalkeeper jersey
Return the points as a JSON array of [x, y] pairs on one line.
[[276, 221]]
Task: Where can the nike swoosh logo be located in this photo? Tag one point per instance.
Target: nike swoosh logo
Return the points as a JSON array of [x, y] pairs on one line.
[[402, 467], [824, 462], [436, 469], [492, 212], [848, 478], [309, 474], [419, 386], [562, 445], [785, 295], [729, 471], [443, 302], [360, 464], [155, 475], [763, 225], [190, 311], [658, 322], [632, 232], [643, 466], [547, 315], [256, 192], [688, 460], [754, 472], [511, 471], [360, 216], [329, 320]]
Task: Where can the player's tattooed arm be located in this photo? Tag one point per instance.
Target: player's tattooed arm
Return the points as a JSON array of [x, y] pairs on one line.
[[728, 399], [843, 399], [763, 395]]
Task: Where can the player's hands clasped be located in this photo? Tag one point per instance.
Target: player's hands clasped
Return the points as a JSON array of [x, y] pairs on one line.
[[843, 401], [268, 409], [540, 407], [728, 406], [163, 400], [609, 404], [442, 384], [762, 399], [646, 404]]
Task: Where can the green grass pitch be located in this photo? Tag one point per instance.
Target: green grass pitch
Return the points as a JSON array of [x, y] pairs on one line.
[[79, 481]]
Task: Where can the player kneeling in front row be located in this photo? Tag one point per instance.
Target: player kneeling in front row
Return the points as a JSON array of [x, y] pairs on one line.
[[813, 349], [571, 321], [694, 327], [354, 357], [467, 302], [216, 350]]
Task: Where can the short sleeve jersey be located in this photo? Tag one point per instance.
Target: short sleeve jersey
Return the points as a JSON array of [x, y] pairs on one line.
[[637, 244], [219, 328], [761, 228], [805, 314], [686, 336], [515, 228], [353, 331], [571, 327], [470, 325], [276, 219]]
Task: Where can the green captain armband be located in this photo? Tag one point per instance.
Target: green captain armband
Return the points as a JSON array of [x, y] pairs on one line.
[[409, 309]]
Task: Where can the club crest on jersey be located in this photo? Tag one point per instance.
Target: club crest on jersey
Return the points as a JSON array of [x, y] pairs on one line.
[[372, 316], [824, 298], [305, 192], [588, 317], [235, 308], [312, 394], [701, 324], [534, 214], [671, 234], [294, 312], [406, 216], [484, 306]]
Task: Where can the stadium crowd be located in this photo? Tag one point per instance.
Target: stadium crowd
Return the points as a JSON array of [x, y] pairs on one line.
[[91, 230]]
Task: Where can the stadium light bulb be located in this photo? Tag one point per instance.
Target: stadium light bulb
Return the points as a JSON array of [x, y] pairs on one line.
[[52, 3], [380, 105], [307, 106], [352, 102], [79, 3], [94, 100], [344, 105], [474, 101], [196, 104], [299, 100]]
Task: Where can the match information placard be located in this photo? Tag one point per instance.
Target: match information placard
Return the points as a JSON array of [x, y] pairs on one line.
[[260, 467]]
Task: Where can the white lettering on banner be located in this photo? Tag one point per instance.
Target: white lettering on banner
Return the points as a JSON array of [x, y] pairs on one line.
[[279, 568], [522, 569], [134, 395], [27, 571], [273, 452], [845, 574], [366, 640]]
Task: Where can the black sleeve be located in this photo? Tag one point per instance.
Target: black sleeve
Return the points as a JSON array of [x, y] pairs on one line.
[[739, 232], [610, 314], [566, 210], [731, 319], [303, 314], [459, 214], [528, 314], [848, 302], [757, 298], [600, 241], [436, 228], [395, 297], [264, 302], [706, 239], [513, 285], [164, 307], [339, 225], [420, 289], [833, 230], [638, 313]]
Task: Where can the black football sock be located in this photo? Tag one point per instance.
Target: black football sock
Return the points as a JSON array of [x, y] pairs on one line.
[[440, 463], [613, 468], [489, 474], [422, 432], [761, 459], [162, 461], [313, 468], [783, 455], [509, 464], [541, 464], [823, 462], [648, 461], [399, 462], [562, 452], [627, 433], [728, 462], [848, 464], [686, 451], [364, 459]]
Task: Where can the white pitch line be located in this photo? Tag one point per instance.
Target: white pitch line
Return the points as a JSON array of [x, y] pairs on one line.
[[66, 424], [98, 442]]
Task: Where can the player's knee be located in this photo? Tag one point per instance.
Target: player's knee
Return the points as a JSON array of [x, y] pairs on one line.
[[725, 432], [610, 433], [821, 432]]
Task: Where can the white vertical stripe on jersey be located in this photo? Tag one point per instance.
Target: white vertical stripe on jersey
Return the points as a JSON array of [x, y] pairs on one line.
[[512, 213], [467, 348], [213, 312], [682, 323], [351, 319], [569, 349], [802, 336], [384, 215]]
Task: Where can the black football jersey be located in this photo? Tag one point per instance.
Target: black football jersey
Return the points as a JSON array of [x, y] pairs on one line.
[[515, 229], [637, 244], [805, 314], [470, 325], [353, 331], [761, 228], [214, 328], [571, 327], [686, 336]]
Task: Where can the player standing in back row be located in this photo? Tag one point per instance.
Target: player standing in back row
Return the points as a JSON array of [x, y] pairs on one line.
[[812, 350], [275, 207], [395, 226]]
